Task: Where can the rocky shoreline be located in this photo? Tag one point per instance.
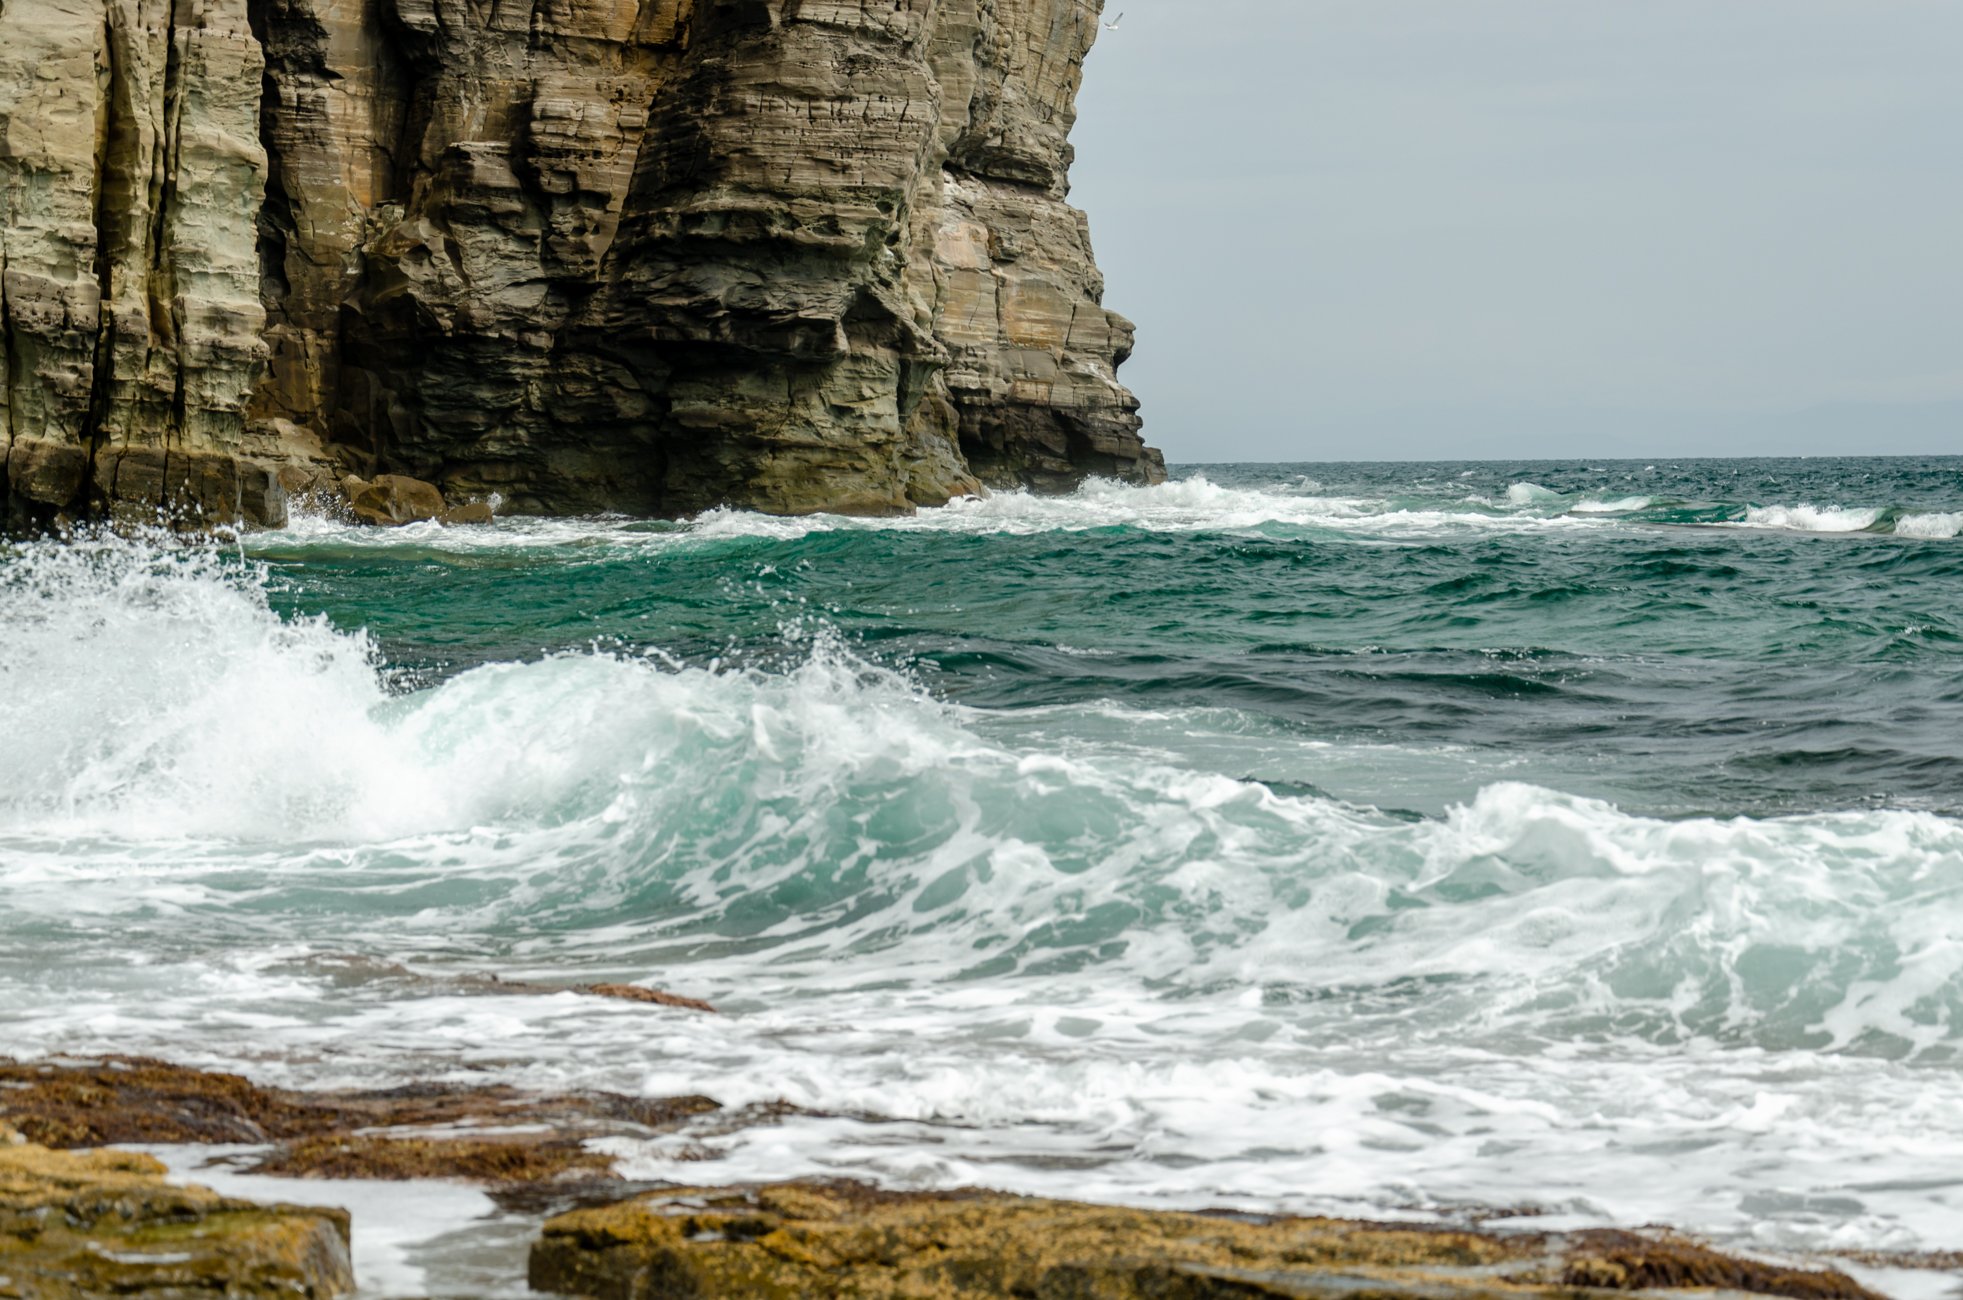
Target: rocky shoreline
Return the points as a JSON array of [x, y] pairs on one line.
[[80, 1219], [80, 1225]]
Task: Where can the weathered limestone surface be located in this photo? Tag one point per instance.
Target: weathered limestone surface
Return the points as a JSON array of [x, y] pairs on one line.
[[100, 1224], [131, 178], [649, 255], [853, 1243]]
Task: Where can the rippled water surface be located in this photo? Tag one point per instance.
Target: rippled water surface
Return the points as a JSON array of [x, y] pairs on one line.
[[1388, 839]]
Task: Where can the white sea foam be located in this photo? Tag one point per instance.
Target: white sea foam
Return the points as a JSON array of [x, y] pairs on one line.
[[399, 1227], [1532, 494], [1192, 504], [1933, 525], [1063, 968], [1619, 506], [1813, 519]]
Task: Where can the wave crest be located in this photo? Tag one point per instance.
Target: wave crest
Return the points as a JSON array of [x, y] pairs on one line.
[[831, 809]]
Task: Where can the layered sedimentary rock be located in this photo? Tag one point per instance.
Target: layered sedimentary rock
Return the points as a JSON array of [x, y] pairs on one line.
[[648, 255], [131, 178]]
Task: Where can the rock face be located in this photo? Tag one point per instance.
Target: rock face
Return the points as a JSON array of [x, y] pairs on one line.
[[131, 179], [852, 1243], [646, 255], [101, 1224]]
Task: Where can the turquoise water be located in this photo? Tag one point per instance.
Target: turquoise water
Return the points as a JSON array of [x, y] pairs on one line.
[[1379, 838]]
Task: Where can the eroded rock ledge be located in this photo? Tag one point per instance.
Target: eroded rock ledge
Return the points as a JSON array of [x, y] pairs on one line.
[[100, 1224], [854, 1243], [77, 1226], [642, 255]]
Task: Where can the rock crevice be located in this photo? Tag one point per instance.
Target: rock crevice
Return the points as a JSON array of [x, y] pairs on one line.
[[642, 255]]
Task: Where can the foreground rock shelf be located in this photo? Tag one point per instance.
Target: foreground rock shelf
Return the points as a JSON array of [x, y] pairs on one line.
[[499, 1137], [80, 1225], [850, 1242], [76, 1225]]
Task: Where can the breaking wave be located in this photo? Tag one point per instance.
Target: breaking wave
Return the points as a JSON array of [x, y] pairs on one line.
[[1021, 914], [832, 809], [1812, 519], [1191, 504]]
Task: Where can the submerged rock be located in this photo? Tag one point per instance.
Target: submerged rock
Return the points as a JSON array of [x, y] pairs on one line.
[[649, 257], [92, 1225], [652, 997], [849, 1242]]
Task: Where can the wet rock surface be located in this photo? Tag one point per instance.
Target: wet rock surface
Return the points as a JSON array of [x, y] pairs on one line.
[[845, 1240], [650, 257], [91, 1225], [490, 1135], [391, 500], [88, 1223]]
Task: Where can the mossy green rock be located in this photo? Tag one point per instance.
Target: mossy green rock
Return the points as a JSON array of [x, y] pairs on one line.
[[87, 1224], [852, 1243]]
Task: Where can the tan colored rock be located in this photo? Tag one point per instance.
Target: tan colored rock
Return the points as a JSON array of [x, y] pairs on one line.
[[135, 1100], [504, 1160], [392, 500], [643, 255], [471, 512], [853, 1243], [131, 181], [100, 1224]]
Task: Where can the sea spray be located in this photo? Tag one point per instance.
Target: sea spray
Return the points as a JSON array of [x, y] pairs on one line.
[[1334, 844]]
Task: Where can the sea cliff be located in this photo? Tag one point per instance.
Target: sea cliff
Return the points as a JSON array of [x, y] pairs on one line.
[[572, 255]]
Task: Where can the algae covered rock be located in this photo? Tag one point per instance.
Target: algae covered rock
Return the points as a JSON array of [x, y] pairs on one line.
[[849, 1242], [81, 1225], [494, 1136], [500, 1161]]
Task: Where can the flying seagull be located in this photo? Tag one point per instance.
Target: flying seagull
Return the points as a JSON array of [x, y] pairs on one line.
[[1112, 26]]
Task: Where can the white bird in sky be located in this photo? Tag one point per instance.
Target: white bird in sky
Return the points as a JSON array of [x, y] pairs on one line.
[[1112, 25]]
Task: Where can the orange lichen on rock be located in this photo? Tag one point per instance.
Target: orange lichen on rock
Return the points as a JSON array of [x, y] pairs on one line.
[[78, 1225], [497, 1136], [515, 1159], [852, 1243], [134, 1100], [1625, 1261]]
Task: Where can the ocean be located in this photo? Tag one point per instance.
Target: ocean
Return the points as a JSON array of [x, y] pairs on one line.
[[1575, 841]]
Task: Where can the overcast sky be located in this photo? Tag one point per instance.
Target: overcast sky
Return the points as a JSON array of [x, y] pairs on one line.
[[1352, 229]]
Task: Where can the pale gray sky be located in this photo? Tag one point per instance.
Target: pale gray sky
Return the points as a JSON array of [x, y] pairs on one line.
[[1352, 229]]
